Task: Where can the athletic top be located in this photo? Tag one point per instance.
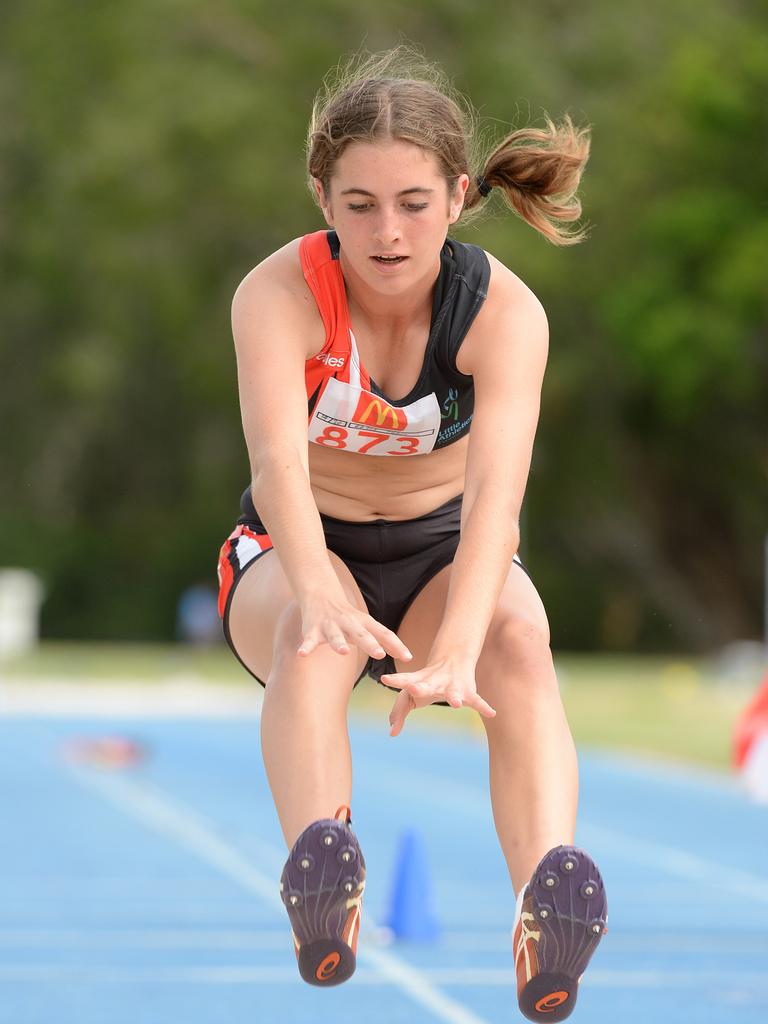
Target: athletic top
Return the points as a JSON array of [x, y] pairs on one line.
[[347, 409]]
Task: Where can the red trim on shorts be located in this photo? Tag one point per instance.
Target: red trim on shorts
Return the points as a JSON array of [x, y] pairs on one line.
[[229, 565]]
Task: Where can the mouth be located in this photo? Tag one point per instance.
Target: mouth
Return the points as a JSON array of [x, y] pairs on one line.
[[389, 260]]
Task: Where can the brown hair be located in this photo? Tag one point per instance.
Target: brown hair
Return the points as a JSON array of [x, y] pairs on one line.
[[399, 95]]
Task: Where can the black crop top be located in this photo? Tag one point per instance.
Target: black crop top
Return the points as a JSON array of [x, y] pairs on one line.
[[347, 409]]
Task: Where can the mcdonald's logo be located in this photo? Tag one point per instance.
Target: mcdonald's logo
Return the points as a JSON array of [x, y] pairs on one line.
[[377, 412]]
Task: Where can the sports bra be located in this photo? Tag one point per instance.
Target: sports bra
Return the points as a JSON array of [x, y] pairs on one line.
[[346, 407]]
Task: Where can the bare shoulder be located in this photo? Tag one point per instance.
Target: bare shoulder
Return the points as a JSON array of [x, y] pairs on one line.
[[273, 330], [276, 289], [511, 315], [506, 285]]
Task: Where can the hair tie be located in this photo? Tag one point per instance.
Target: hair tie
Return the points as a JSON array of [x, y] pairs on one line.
[[482, 185]]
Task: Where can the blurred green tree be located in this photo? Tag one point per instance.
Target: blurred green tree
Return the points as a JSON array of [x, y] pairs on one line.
[[151, 154]]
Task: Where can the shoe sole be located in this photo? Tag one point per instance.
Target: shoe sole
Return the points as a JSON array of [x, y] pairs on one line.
[[321, 887], [570, 920]]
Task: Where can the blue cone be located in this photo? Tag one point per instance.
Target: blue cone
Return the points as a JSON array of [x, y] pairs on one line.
[[412, 913]]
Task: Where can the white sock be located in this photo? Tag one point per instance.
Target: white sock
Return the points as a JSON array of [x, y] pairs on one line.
[[519, 906]]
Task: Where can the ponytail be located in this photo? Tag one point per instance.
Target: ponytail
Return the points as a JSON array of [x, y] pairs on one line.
[[538, 173]]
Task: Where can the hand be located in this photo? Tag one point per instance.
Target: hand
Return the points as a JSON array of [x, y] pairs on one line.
[[331, 619], [444, 678]]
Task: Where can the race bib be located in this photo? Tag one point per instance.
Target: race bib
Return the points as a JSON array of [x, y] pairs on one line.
[[349, 418]]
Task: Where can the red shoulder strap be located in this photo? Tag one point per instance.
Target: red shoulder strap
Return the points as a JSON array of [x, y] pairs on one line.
[[323, 275]]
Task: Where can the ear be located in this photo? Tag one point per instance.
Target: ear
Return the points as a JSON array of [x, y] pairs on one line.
[[457, 198], [324, 201]]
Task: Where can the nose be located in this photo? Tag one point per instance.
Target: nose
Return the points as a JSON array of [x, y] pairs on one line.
[[387, 228]]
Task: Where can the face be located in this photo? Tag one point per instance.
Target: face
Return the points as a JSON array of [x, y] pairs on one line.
[[390, 199]]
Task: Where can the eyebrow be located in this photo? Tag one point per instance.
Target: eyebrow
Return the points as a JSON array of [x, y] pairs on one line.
[[405, 192]]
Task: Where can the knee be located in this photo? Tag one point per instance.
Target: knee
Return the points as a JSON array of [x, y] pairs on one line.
[[288, 627], [287, 638], [288, 665], [515, 643], [515, 673]]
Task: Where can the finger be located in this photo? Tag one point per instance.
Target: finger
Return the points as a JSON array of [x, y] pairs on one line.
[[400, 711], [415, 691], [370, 644], [454, 699], [421, 695], [481, 706], [419, 692], [393, 644], [336, 639], [308, 644], [400, 680], [366, 638], [351, 630]]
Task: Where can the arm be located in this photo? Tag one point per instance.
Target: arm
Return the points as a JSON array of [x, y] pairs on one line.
[[506, 354], [507, 361], [273, 337], [269, 325]]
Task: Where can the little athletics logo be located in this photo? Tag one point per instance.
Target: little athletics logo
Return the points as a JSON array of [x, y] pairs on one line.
[[455, 428], [451, 406]]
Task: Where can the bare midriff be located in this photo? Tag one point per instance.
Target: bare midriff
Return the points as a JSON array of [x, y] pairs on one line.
[[365, 487]]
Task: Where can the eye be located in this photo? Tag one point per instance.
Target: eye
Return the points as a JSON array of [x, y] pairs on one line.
[[411, 207]]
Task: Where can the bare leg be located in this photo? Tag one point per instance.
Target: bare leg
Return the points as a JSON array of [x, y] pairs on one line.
[[532, 758], [304, 736], [305, 744]]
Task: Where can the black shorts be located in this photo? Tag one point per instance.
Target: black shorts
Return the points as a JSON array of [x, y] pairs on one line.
[[390, 560]]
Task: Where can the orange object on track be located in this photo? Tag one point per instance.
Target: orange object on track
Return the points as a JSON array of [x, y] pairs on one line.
[[106, 751], [751, 723]]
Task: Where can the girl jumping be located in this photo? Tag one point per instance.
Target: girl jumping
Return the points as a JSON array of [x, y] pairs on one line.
[[390, 380]]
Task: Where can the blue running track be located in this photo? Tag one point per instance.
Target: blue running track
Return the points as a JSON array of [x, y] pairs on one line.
[[148, 895]]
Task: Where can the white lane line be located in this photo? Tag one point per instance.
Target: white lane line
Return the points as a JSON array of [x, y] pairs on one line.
[[495, 943], [680, 863], [189, 829], [672, 860], [135, 938], [247, 940], [661, 768], [753, 981], [218, 975]]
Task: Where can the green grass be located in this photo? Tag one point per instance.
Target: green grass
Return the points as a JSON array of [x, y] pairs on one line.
[[138, 663], [677, 708], [670, 707]]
